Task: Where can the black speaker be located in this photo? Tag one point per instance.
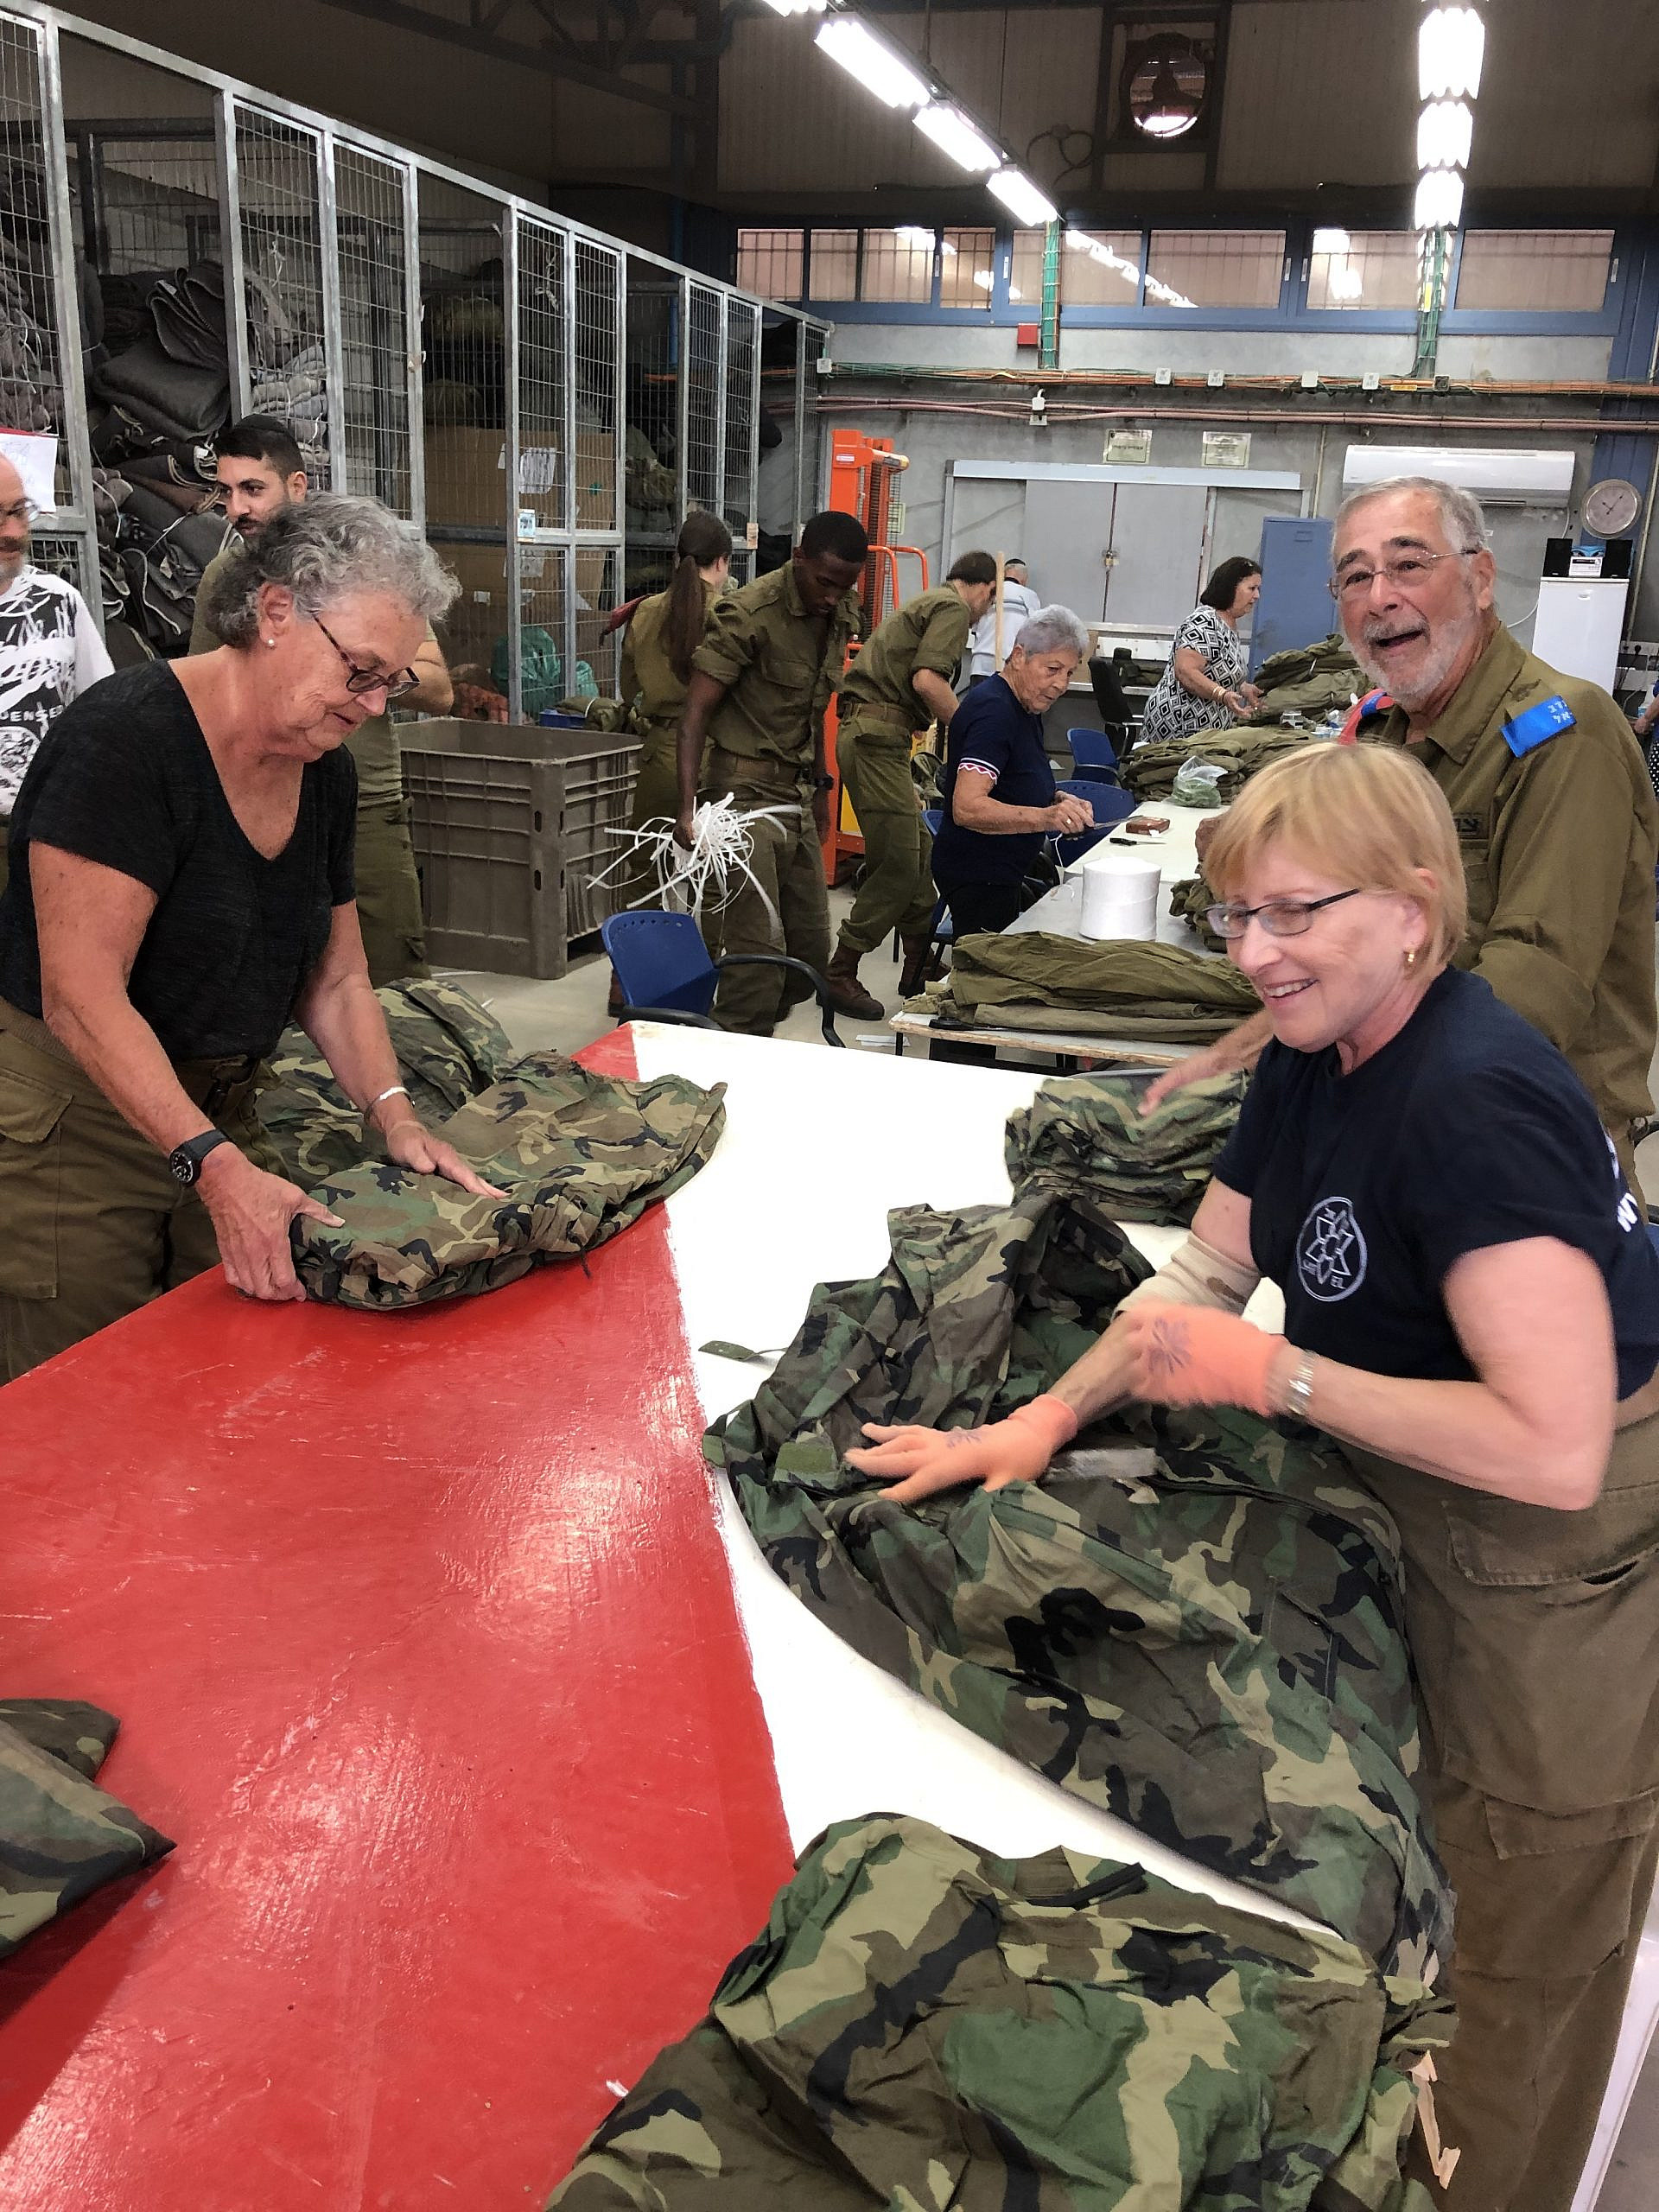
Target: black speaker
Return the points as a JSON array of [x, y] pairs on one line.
[[1557, 556], [1615, 561]]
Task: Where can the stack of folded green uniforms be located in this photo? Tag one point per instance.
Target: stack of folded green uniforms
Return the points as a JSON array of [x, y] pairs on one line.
[[1116, 987]]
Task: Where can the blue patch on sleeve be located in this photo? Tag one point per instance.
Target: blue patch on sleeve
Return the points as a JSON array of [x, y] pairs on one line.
[[1537, 726], [1370, 706]]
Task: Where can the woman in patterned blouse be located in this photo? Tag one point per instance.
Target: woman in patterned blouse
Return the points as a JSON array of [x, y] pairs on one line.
[[1204, 686]]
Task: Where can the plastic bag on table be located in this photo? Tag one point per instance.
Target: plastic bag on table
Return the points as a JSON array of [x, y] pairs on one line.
[[1198, 783]]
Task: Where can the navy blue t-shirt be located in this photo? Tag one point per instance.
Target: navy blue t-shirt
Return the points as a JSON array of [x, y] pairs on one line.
[[1466, 1130], [994, 731]]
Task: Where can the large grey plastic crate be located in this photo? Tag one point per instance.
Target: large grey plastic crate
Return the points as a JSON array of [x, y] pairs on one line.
[[508, 824]]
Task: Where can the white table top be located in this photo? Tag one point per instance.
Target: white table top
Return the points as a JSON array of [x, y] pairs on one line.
[[818, 1146], [1059, 911]]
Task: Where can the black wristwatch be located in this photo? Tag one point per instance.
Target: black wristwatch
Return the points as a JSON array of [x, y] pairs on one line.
[[824, 783], [184, 1161]]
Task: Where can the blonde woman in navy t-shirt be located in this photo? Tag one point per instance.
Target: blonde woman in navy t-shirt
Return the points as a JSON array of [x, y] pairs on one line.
[[1472, 1300]]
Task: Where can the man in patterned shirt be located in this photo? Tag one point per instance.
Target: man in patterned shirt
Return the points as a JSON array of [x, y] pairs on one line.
[[50, 650]]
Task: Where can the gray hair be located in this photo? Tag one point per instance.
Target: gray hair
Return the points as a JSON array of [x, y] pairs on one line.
[[1053, 629], [1462, 517], [320, 549]]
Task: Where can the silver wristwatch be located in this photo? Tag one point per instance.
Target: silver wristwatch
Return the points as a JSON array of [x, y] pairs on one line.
[[1299, 1391]]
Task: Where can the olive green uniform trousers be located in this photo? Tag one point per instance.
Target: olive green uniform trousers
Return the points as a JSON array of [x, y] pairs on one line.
[[786, 909], [1535, 1635], [656, 799], [896, 890], [389, 892], [94, 1225]]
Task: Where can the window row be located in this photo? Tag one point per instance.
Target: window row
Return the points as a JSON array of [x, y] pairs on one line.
[[1548, 272]]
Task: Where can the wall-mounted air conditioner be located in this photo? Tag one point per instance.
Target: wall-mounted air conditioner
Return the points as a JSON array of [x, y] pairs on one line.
[[1512, 478]]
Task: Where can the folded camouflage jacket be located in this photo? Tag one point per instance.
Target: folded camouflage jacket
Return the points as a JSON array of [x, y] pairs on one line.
[[1160, 994], [1150, 770], [1086, 1133], [449, 1049], [61, 1837], [579, 1155], [920, 2024], [1194, 1621]]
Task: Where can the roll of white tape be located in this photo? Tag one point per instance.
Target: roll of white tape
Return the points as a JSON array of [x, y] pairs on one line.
[[1120, 896]]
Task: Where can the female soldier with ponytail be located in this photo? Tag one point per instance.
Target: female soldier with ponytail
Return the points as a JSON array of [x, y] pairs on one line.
[[665, 631]]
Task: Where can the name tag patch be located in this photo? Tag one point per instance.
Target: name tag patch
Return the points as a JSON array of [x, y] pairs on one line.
[[1469, 825], [1537, 726]]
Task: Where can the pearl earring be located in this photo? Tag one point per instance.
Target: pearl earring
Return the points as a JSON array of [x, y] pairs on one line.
[[271, 643], [1411, 957]]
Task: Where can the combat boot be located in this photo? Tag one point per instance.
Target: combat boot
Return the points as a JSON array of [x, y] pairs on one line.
[[847, 993]]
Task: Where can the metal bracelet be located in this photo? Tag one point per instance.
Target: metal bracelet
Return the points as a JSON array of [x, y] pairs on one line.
[[392, 1091], [1299, 1391]]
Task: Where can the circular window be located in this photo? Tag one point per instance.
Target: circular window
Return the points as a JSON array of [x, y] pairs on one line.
[[1167, 83]]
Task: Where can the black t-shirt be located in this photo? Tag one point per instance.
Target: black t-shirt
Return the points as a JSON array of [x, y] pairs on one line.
[[993, 732], [124, 777], [1466, 1130]]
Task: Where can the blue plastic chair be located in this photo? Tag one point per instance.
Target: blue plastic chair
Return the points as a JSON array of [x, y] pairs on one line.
[[1093, 755], [666, 974], [1111, 805]]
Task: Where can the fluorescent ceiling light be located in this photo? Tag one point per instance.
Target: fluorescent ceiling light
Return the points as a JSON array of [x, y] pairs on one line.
[[798, 7], [1347, 284], [1333, 241], [1021, 197], [952, 133], [1450, 49], [869, 59], [913, 234], [1440, 200], [1445, 132]]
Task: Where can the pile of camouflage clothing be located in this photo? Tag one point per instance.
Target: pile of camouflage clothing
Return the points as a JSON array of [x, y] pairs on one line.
[[921, 2024], [1312, 681], [61, 1837], [1150, 770], [1116, 987], [1189, 901], [1086, 1133], [580, 1156]]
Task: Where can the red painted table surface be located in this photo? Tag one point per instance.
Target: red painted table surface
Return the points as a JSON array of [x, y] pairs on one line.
[[421, 1633]]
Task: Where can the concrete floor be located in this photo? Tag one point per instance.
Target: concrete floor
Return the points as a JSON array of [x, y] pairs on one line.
[[565, 1014]]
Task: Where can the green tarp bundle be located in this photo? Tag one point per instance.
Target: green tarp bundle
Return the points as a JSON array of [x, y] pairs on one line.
[[61, 1837], [922, 2025], [1150, 770], [449, 1049], [1160, 993], [1193, 1621], [1086, 1133], [579, 1156]]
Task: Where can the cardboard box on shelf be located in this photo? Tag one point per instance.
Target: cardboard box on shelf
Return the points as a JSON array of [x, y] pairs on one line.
[[467, 478]]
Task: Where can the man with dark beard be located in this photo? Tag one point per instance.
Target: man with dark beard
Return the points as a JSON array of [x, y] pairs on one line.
[[1557, 821]]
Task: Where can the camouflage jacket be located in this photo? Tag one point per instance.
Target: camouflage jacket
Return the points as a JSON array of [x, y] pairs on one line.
[[449, 1049], [1194, 1621], [579, 1155], [61, 1837], [1116, 987], [1150, 770], [1086, 1133], [922, 2025]]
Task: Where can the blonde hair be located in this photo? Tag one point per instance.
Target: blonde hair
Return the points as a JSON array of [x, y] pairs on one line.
[[1365, 815]]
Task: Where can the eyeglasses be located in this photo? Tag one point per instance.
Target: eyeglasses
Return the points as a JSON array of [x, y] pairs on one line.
[[1410, 571], [1278, 916], [24, 512], [368, 679]]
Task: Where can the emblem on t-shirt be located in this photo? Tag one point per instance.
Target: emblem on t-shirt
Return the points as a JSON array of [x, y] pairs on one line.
[[1330, 1251], [1629, 1214]]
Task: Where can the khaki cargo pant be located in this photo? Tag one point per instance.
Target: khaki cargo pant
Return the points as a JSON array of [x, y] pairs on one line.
[[787, 862], [656, 799], [1535, 1639], [896, 892], [389, 892], [91, 1223]]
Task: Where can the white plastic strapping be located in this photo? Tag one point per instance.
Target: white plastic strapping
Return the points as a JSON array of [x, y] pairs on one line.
[[708, 876]]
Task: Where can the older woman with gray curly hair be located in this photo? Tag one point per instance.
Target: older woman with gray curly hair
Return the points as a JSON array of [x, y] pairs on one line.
[[180, 889], [998, 792]]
